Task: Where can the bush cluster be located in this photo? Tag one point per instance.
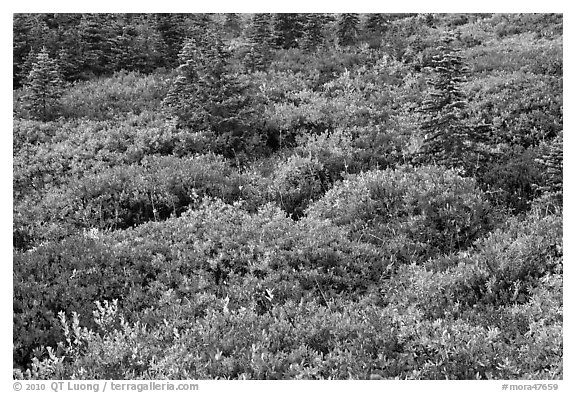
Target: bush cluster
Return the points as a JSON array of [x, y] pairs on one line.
[[418, 212], [257, 211], [465, 318]]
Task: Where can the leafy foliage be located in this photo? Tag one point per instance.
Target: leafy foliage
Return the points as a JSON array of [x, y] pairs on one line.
[[233, 196], [421, 323], [122, 94], [417, 213]]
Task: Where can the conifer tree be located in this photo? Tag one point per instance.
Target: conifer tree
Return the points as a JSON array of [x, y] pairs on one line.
[[184, 99], [137, 46], [206, 97], [552, 161], [21, 26], [70, 48], [96, 37], [347, 30], [448, 139], [26, 65], [197, 23], [43, 87], [260, 38], [232, 24], [30, 35], [312, 37], [172, 34], [68, 64], [376, 23], [126, 51], [288, 29]]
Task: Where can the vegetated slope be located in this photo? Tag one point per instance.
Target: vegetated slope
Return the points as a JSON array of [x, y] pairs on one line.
[[283, 224]]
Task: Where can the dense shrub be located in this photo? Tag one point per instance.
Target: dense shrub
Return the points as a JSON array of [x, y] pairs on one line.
[[273, 229], [416, 212], [321, 67], [335, 150], [208, 250], [297, 182], [32, 132], [79, 270], [505, 269], [51, 153], [359, 99], [342, 340], [519, 53], [522, 108], [513, 179], [127, 195], [547, 25], [108, 98]]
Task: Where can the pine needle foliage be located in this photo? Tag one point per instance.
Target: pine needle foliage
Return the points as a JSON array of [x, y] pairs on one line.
[[347, 30], [260, 38], [288, 29], [43, 88], [448, 138], [233, 24], [376, 23], [206, 96], [313, 37]]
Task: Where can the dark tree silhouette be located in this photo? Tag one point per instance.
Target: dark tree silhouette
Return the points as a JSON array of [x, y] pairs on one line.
[[448, 138], [347, 30], [260, 38], [43, 88]]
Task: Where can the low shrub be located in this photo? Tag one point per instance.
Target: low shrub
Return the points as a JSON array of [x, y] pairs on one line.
[[505, 268], [108, 98], [415, 213], [523, 109], [125, 195], [512, 180], [297, 181]]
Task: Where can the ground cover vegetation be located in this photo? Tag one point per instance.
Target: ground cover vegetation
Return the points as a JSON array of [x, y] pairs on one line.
[[287, 196]]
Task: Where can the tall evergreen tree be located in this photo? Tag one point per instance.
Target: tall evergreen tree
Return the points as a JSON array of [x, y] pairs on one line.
[[376, 24], [260, 38], [205, 96], [69, 46], [69, 64], [43, 88], [260, 31], [196, 23], [171, 28], [138, 46], [25, 66], [96, 37], [448, 139], [288, 29], [313, 35], [20, 46], [125, 51], [232, 24], [184, 99], [30, 34], [347, 30]]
